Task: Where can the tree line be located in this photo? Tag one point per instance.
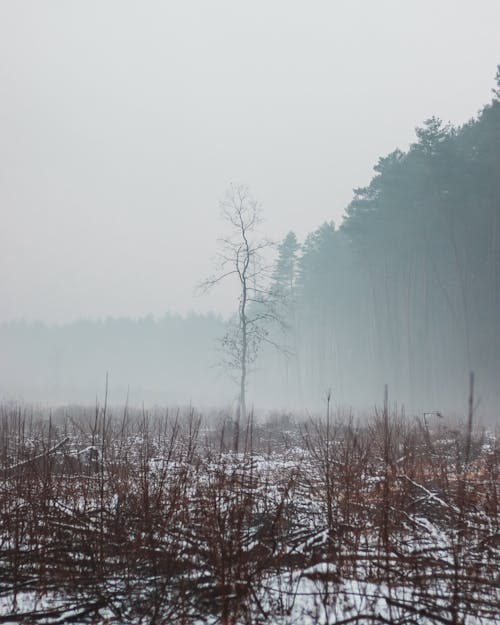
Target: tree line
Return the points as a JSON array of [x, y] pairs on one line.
[[166, 361], [406, 290]]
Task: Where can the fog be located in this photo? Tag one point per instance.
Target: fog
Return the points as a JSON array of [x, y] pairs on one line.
[[122, 125]]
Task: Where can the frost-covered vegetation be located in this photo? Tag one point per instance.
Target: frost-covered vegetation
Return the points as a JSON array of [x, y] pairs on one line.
[[133, 517]]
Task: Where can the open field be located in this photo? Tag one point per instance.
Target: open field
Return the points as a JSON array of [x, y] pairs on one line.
[[128, 517]]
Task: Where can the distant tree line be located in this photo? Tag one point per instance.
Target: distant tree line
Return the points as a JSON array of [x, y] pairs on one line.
[[169, 360]]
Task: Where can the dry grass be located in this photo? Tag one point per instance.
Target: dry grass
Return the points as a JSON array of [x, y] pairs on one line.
[[137, 518]]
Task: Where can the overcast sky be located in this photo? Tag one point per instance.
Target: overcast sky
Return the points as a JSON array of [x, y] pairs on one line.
[[122, 123]]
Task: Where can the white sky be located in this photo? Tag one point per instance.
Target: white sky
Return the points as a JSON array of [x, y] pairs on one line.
[[121, 124]]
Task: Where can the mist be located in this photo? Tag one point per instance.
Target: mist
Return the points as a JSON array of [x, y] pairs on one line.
[[123, 126], [249, 312]]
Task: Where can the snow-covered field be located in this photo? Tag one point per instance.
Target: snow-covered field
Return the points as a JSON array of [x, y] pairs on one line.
[[160, 519]]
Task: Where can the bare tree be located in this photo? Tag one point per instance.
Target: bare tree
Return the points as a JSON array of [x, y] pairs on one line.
[[241, 256]]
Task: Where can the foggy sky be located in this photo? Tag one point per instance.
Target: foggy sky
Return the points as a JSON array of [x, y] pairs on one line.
[[121, 124]]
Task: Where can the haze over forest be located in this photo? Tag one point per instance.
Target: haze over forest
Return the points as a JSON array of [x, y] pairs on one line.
[[114, 164], [404, 292]]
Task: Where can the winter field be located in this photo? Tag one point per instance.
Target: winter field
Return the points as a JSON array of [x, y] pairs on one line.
[[170, 517]]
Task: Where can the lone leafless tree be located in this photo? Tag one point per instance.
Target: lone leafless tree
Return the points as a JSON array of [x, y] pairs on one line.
[[241, 256]]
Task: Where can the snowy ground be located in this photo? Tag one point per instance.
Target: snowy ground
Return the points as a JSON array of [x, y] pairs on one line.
[[156, 521]]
